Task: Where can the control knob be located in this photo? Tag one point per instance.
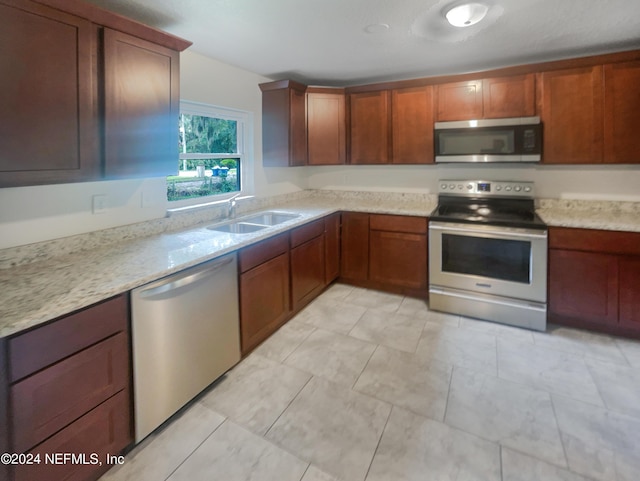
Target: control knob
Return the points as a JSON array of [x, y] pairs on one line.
[[517, 188], [443, 186], [508, 188]]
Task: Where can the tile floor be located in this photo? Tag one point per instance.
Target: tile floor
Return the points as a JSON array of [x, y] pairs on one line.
[[363, 385]]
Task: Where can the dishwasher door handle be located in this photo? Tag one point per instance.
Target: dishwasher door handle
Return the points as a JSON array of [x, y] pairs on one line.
[[161, 288]]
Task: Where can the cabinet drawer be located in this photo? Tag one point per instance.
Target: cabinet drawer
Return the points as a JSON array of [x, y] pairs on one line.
[[104, 430], [48, 344], [398, 223], [307, 232], [590, 240], [51, 399], [260, 253]]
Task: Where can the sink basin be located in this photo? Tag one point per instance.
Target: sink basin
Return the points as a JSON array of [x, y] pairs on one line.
[[271, 218], [238, 228]]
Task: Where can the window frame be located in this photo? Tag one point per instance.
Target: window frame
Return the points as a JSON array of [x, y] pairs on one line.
[[244, 131]]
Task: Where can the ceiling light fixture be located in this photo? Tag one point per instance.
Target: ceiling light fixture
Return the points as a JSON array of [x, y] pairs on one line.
[[466, 14]]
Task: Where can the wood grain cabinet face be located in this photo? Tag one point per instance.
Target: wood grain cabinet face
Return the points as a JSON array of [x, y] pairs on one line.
[[332, 247], [629, 269], [622, 112], [572, 116], [369, 132], [508, 97], [48, 132], [326, 128], [459, 101], [284, 125], [412, 125], [141, 107], [307, 271], [355, 246]]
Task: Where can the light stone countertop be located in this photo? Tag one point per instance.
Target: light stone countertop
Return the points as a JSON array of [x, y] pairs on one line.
[[42, 282]]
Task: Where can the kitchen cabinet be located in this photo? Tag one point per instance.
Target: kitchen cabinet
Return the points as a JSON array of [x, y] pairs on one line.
[[331, 248], [593, 279], [264, 289], [489, 98], [86, 95], [284, 126], [48, 132], [355, 247], [307, 263], [412, 125], [369, 127], [622, 112], [142, 103], [326, 126], [67, 390], [571, 111], [398, 251]]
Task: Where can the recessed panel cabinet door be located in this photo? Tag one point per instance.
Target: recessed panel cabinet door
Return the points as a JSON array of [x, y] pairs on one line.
[[48, 132], [412, 125], [459, 101], [572, 115], [622, 112], [629, 268], [141, 107], [508, 96], [583, 286], [355, 246], [370, 139], [326, 128]]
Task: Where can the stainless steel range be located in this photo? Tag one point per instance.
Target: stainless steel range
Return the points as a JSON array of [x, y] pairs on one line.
[[488, 253]]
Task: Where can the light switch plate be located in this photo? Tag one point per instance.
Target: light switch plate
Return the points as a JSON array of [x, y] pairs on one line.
[[99, 204]]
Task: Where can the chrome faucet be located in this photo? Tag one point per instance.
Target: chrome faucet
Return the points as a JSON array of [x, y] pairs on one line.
[[231, 206]]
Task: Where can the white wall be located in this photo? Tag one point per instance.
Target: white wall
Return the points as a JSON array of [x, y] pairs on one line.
[[34, 214], [621, 182]]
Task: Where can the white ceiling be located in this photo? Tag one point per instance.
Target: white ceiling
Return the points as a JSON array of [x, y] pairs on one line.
[[325, 42]]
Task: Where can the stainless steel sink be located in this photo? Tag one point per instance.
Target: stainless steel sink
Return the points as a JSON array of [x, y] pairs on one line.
[[238, 228], [270, 218]]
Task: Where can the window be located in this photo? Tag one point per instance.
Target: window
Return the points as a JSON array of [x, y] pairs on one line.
[[213, 161]]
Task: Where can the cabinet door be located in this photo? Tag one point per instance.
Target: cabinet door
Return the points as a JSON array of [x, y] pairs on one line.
[[355, 246], [412, 125], [141, 107], [48, 132], [264, 300], [399, 259], [459, 100], [508, 97], [572, 116], [307, 271], [297, 128], [331, 248], [326, 128], [629, 292], [622, 112], [369, 133], [583, 286]]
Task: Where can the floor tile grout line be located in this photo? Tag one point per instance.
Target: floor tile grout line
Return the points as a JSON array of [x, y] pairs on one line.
[[197, 447], [555, 417], [313, 329], [500, 447], [375, 451], [363, 369], [446, 405], [288, 404]]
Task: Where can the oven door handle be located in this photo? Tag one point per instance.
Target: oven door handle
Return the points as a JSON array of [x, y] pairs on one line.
[[519, 235]]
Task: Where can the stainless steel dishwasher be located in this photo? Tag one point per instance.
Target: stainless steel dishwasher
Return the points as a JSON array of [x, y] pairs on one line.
[[185, 334]]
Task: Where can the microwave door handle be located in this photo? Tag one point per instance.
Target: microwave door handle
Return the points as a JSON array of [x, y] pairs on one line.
[[518, 235]]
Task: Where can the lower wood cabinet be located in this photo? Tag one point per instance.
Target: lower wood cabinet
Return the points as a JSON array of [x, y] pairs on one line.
[[307, 263], [264, 290], [398, 251], [66, 389], [593, 279], [355, 247], [331, 247]]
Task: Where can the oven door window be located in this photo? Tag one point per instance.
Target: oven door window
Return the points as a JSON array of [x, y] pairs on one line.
[[503, 259]]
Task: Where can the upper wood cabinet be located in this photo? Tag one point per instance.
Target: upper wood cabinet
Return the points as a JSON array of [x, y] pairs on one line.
[[142, 105], [326, 126], [412, 125], [369, 127], [488, 98], [622, 112], [393, 126], [48, 132], [60, 74], [571, 110], [284, 125]]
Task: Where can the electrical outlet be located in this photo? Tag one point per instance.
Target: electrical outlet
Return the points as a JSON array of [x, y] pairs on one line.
[[99, 204]]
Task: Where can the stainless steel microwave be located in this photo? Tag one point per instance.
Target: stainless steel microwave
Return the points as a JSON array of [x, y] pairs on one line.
[[492, 140]]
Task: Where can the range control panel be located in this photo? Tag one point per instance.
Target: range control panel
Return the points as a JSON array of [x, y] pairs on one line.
[[486, 188]]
